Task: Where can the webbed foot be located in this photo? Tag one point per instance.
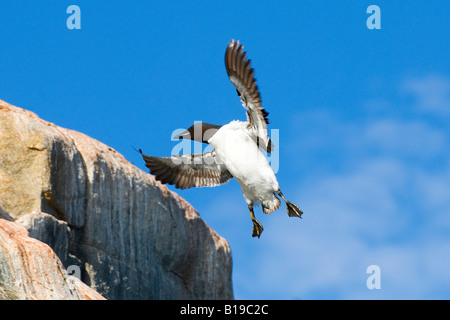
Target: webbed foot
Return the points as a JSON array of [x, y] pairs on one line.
[[257, 228], [293, 210]]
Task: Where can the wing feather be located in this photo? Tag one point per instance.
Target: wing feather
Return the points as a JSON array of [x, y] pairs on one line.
[[241, 75], [188, 171]]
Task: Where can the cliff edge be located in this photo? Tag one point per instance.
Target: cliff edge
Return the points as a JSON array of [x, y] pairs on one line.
[[72, 208]]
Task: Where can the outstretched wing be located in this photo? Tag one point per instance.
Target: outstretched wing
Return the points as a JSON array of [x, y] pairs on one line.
[[242, 77], [188, 171]]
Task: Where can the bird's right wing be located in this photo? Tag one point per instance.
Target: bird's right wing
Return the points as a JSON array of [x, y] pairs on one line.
[[241, 75], [188, 171]]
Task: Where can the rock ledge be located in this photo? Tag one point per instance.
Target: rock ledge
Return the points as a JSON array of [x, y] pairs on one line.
[[68, 201]]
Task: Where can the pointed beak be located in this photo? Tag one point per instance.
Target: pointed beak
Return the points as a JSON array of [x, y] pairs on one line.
[[184, 135]]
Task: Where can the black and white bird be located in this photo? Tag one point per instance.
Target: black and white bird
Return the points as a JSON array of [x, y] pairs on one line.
[[237, 149]]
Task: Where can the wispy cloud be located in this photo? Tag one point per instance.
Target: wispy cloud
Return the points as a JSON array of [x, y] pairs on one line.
[[414, 138], [389, 206], [432, 93], [374, 190]]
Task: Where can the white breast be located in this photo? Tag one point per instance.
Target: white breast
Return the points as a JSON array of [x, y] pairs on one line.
[[245, 161]]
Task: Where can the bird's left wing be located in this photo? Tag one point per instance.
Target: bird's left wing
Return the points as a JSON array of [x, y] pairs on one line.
[[188, 171], [242, 77]]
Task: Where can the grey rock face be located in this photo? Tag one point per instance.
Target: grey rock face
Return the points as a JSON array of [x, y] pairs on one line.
[[30, 269], [130, 236]]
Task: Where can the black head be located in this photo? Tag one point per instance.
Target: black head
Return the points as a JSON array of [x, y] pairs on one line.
[[200, 132]]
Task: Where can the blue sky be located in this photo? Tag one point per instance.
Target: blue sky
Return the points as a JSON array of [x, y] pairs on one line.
[[362, 115]]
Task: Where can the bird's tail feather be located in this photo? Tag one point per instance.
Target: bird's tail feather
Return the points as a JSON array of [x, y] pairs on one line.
[[271, 206]]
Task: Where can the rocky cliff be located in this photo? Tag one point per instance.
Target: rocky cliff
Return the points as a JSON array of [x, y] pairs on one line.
[[70, 204]]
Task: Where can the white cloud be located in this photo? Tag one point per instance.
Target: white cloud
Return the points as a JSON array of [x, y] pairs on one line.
[[352, 221], [390, 206], [412, 138], [384, 200], [432, 93]]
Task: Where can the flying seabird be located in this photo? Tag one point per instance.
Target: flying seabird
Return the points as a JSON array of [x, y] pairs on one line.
[[237, 149]]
